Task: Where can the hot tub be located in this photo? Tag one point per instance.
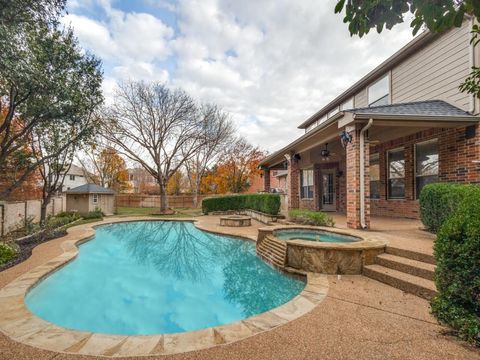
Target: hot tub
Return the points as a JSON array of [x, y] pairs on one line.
[[318, 249]]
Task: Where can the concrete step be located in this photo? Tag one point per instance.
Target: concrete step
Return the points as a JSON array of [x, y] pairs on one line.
[[411, 254], [406, 265], [400, 280]]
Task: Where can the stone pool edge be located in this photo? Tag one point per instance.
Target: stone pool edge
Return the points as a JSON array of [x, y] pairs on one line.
[[21, 325]]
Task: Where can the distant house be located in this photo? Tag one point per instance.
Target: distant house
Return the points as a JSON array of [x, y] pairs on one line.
[[91, 197], [75, 177], [140, 180]]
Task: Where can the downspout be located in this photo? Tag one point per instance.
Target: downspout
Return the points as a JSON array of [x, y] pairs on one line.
[[362, 173]]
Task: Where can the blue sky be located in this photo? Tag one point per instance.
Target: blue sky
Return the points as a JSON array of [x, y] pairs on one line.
[[269, 63]]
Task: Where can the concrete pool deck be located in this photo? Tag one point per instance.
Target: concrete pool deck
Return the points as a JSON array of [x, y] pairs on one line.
[[359, 318]]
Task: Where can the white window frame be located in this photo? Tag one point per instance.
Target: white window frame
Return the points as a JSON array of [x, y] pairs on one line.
[[389, 95], [95, 198], [344, 107], [415, 175], [377, 156], [389, 196], [312, 185], [72, 177]]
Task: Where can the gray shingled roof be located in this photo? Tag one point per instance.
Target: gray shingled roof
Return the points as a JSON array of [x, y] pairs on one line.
[[90, 189], [419, 108]]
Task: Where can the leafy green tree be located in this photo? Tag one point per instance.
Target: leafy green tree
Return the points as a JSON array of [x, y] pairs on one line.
[[437, 16], [45, 78]]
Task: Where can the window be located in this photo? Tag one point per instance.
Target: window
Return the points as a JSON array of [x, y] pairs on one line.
[[95, 198], [396, 174], [347, 105], [306, 184], [426, 165], [379, 92], [72, 177], [333, 112], [374, 176]]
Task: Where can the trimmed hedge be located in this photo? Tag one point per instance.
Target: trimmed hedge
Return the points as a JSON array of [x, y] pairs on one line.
[[438, 202], [457, 277], [308, 217], [265, 203]]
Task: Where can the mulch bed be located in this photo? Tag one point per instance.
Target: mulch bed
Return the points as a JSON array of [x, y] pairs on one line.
[[26, 244]]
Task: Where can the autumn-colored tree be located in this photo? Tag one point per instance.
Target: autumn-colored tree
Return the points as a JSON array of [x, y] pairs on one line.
[[233, 174], [176, 183], [16, 164], [105, 167]]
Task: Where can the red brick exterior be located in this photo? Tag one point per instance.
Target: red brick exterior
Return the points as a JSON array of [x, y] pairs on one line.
[[456, 155], [293, 184], [266, 180], [353, 181]]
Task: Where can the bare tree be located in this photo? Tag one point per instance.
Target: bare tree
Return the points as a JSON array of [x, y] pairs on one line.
[[156, 127], [219, 134]]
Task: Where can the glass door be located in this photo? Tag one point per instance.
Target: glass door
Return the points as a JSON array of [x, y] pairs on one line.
[[328, 190]]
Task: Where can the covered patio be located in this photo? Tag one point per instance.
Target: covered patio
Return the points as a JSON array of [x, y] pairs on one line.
[[374, 161]]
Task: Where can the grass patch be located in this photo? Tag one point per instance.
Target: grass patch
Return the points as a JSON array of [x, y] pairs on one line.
[[131, 211], [308, 217], [6, 253]]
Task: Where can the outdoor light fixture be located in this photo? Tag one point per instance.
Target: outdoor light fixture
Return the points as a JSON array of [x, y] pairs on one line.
[[325, 152], [345, 138], [296, 157], [339, 173]]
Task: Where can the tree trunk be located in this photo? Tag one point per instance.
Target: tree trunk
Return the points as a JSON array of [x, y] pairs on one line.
[[163, 197], [43, 213]]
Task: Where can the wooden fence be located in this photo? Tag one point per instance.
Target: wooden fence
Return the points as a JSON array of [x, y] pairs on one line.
[[153, 201]]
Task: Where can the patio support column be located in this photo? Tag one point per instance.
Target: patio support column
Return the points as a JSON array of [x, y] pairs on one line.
[[266, 180], [317, 187], [353, 180], [293, 179]]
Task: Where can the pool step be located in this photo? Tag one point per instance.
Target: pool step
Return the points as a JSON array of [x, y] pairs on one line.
[[273, 251], [406, 265]]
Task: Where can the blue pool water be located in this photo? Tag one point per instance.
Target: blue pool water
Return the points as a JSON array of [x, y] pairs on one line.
[[313, 235], [153, 277]]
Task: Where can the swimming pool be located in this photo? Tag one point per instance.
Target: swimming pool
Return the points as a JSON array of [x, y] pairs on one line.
[[153, 277], [313, 235]]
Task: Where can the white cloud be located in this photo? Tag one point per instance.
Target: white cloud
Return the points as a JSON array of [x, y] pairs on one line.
[[269, 63]]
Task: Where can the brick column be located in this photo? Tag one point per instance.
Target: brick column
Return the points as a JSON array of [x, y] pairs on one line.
[[317, 183], [293, 183], [266, 180], [353, 181]]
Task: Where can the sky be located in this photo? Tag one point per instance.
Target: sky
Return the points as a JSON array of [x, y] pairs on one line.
[[269, 63]]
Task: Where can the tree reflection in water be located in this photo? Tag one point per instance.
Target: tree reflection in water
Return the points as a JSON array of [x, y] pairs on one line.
[[174, 248], [255, 286], [180, 250]]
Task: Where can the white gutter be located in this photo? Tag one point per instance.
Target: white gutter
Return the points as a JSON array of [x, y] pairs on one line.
[[362, 173]]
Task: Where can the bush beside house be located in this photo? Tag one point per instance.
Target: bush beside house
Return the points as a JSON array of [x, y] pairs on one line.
[[457, 253], [308, 217], [438, 202], [265, 203]]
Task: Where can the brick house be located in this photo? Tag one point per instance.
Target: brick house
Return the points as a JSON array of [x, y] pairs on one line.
[[405, 124]]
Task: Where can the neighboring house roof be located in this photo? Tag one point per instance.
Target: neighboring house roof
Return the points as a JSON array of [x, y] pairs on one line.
[[75, 170], [90, 189], [418, 110]]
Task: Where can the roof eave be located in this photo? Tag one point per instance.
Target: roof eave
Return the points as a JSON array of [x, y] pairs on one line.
[[413, 117]]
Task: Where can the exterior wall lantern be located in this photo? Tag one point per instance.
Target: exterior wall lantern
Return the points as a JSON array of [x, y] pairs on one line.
[[345, 138]]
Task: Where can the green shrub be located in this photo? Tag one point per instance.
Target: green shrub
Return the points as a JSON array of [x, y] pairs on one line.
[[308, 217], [266, 203], [457, 276], [97, 214], [6, 253], [439, 201], [62, 219]]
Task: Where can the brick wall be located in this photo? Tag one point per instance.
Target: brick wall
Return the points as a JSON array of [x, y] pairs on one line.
[[455, 165]]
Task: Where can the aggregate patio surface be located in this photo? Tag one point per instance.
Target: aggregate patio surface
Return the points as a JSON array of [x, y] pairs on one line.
[[360, 318]]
